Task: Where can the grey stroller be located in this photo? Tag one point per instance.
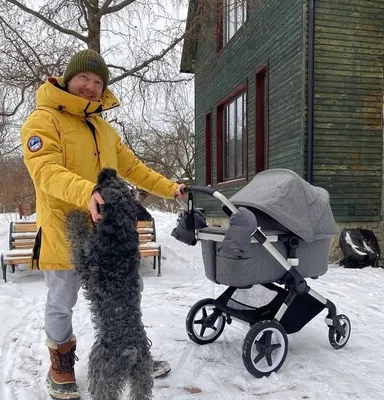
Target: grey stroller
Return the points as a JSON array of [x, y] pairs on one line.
[[294, 228]]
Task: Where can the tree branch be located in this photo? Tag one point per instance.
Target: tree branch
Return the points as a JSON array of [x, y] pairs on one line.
[[103, 8], [115, 8], [84, 11], [21, 53], [49, 22], [10, 114], [148, 62], [10, 151], [146, 80]]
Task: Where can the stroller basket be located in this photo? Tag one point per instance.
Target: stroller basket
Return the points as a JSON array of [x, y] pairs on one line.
[[257, 266]]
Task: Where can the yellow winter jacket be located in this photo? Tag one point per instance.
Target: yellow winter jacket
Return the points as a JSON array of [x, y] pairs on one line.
[[65, 144]]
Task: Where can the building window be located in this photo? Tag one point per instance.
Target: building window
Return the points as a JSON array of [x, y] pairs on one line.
[[261, 131], [231, 16], [232, 137], [208, 149]]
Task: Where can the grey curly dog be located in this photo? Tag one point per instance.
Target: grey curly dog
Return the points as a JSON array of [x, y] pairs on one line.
[[106, 258]]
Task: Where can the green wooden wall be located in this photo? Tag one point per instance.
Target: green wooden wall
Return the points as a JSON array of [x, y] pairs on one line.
[[348, 132], [272, 35]]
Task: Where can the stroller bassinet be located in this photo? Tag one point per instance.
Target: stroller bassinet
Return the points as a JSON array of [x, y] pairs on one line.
[[285, 206], [295, 226]]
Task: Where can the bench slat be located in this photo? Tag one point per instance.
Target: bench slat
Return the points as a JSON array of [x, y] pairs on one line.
[[27, 242], [144, 224], [145, 240], [25, 227], [18, 260], [149, 253], [145, 230]]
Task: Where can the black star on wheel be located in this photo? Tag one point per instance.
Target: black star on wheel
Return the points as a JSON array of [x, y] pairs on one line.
[[265, 348]]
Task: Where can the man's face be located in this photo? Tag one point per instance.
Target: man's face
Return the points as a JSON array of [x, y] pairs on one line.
[[87, 85]]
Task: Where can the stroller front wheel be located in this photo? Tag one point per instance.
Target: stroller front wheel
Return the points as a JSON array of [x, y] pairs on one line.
[[205, 322], [265, 348], [339, 335]]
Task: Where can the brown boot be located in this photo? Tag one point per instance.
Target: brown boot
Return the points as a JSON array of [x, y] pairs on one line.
[[61, 376]]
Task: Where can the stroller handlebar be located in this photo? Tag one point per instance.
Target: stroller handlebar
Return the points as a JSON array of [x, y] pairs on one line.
[[201, 189], [209, 191]]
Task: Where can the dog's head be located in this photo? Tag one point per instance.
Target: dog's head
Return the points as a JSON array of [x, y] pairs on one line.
[[113, 189]]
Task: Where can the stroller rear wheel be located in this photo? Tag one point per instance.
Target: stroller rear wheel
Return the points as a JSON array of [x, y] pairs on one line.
[[265, 348], [205, 322], [339, 335]]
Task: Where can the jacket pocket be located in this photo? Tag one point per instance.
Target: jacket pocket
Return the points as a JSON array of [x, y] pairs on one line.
[[70, 156]]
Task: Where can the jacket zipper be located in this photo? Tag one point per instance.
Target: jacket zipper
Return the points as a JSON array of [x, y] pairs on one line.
[[92, 128]]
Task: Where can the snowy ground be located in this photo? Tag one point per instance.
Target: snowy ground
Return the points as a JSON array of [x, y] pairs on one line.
[[312, 370]]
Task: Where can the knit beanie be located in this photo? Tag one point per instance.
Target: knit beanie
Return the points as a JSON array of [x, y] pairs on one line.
[[87, 61]]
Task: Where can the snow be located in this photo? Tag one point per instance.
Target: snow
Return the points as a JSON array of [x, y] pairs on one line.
[[312, 370], [148, 244]]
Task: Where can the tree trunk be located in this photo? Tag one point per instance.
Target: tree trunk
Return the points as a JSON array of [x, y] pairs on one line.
[[94, 26], [94, 37]]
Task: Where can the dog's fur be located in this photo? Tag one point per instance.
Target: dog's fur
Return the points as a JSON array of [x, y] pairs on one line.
[[106, 259]]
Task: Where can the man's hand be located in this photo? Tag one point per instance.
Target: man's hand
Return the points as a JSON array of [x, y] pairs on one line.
[[93, 203], [179, 191]]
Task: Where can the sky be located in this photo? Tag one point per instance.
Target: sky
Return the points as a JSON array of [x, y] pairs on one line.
[[312, 370]]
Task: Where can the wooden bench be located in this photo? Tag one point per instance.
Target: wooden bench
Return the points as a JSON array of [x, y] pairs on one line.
[[21, 238], [22, 235], [147, 243]]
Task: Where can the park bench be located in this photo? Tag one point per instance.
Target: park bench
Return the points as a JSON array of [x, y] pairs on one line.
[[21, 238]]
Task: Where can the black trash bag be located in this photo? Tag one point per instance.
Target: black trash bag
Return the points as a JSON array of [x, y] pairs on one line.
[[360, 248], [185, 235]]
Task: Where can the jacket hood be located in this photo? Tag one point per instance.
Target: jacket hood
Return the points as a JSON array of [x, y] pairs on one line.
[[52, 94]]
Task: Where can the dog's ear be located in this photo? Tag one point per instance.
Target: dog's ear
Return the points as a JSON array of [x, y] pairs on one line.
[[142, 213], [106, 174]]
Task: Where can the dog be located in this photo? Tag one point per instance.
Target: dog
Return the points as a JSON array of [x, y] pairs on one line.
[[106, 258]]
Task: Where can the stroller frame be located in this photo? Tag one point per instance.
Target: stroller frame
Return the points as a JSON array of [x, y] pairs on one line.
[[295, 304]]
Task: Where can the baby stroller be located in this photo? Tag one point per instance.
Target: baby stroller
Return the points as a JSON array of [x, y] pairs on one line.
[[291, 243]]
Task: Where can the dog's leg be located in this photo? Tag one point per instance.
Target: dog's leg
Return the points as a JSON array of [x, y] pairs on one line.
[[141, 380], [78, 232], [100, 375]]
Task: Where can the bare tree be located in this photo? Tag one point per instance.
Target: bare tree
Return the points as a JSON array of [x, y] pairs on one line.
[[166, 143], [12, 197], [141, 42]]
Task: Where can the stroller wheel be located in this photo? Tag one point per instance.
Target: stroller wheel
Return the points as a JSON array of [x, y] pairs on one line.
[[204, 323], [265, 348], [339, 335]]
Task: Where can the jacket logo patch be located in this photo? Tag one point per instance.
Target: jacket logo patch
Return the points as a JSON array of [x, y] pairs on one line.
[[35, 144]]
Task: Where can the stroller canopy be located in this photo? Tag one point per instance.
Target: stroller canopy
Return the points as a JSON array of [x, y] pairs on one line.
[[302, 208]]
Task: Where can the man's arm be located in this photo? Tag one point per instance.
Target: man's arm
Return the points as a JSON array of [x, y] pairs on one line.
[[136, 172], [44, 158]]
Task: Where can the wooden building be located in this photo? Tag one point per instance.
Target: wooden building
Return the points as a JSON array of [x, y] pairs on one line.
[[292, 84]]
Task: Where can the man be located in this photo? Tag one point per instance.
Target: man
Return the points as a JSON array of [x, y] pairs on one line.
[[66, 143]]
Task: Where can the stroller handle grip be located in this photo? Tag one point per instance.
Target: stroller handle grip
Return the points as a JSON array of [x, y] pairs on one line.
[[201, 189], [211, 192]]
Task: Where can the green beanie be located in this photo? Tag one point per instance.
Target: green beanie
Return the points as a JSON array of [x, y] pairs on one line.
[[87, 61]]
